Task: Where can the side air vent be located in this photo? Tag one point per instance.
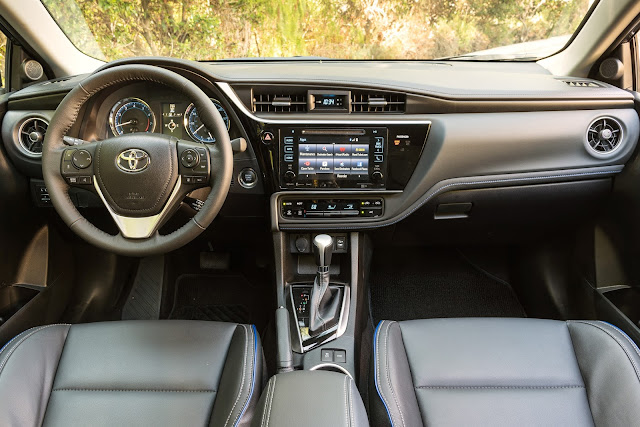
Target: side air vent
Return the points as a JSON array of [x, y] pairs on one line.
[[279, 103], [377, 102], [603, 137], [31, 135], [582, 83]]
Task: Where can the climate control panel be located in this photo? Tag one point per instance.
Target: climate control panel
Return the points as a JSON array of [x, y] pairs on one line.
[[332, 208]]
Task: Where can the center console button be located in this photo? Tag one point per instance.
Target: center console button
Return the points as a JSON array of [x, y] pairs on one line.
[[267, 137], [327, 355]]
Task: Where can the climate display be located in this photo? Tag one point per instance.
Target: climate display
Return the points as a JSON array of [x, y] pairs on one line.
[[333, 155]]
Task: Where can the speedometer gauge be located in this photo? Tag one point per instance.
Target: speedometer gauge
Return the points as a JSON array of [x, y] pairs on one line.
[[196, 129], [131, 115]]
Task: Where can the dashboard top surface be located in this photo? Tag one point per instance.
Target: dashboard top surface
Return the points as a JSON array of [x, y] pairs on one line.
[[438, 79]]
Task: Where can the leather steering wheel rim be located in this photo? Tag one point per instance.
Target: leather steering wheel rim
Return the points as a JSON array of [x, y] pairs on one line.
[[66, 115]]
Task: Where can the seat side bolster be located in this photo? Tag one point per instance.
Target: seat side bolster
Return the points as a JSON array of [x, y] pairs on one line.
[[241, 380], [393, 402], [28, 365], [610, 365]]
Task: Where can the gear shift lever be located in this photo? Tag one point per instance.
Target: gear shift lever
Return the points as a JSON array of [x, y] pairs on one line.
[[325, 302]]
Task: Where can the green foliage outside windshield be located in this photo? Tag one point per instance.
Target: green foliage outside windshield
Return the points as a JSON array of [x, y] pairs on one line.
[[352, 29]]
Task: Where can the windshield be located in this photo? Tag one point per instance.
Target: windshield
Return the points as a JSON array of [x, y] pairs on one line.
[[335, 29]]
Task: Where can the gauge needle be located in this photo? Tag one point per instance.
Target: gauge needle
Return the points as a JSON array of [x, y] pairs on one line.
[[126, 123], [198, 130]]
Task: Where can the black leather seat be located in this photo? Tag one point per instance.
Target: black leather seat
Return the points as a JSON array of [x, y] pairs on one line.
[[504, 372], [142, 373]]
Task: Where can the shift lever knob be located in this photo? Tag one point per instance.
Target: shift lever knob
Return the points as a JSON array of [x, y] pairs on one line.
[[323, 249]]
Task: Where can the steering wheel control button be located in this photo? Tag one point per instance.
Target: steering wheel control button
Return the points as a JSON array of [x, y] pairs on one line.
[[81, 159], [248, 178], [80, 180], [190, 158]]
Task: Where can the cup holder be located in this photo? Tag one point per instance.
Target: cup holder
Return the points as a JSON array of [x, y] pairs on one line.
[[331, 367]]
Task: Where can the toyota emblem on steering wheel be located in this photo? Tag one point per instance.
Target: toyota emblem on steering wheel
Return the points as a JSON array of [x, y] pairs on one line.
[[133, 160]]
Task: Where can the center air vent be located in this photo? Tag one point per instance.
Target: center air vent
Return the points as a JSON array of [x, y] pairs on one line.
[[376, 102], [31, 135], [279, 103], [603, 137]]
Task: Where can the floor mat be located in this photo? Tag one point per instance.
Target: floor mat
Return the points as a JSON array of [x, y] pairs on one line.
[[224, 298], [424, 284], [143, 302]]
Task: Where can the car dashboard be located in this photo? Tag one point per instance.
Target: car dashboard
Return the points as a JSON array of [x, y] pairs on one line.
[[337, 145]]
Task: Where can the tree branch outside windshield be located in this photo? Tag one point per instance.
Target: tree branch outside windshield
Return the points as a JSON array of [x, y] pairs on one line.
[[348, 29]]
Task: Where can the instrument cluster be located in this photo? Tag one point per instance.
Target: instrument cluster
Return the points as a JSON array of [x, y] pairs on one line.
[[178, 118]]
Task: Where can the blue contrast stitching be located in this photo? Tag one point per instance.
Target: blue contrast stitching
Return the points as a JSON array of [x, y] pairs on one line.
[[439, 190], [253, 382], [375, 370], [624, 334]]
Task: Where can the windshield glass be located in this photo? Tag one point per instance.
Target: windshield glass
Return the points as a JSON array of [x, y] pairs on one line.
[[336, 29]]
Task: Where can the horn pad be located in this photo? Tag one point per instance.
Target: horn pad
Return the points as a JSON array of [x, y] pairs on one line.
[[137, 172]]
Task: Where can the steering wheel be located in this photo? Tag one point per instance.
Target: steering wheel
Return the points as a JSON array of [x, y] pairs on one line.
[[142, 177]]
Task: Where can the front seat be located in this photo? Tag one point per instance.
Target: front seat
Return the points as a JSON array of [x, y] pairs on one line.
[[142, 373], [504, 372]]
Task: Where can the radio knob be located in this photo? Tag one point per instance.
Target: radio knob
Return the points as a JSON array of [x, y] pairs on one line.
[[289, 176], [377, 176]]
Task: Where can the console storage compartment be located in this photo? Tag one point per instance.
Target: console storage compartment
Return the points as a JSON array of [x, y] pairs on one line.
[[311, 398]]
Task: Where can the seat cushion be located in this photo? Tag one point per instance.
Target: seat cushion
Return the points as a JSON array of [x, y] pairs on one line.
[[131, 373], [494, 372]]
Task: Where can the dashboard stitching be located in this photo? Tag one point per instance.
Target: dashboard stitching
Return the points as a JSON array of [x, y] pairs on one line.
[[441, 189]]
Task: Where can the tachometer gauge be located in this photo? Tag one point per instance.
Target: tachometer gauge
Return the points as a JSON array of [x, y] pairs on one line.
[[196, 129], [131, 115]]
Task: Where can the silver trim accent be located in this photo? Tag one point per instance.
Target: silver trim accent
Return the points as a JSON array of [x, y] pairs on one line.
[[322, 366], [604, 154], [21, 144], [335, 332], [140, 227], [233, 97]]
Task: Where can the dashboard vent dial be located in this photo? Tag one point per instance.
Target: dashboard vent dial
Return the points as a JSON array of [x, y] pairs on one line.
[[374, 102], [604, 136], [31, 135]]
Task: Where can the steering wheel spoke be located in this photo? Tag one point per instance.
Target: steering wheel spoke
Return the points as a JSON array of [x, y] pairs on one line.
[[144, 227]]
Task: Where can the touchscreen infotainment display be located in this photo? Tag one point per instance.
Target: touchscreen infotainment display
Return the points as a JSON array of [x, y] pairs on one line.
[[333, 158], [340, 155]]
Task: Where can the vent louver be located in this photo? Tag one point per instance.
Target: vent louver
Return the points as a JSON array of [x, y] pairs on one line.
[[31, 135], [604, 136], [279, 103], [582, 83], [377, 102]]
